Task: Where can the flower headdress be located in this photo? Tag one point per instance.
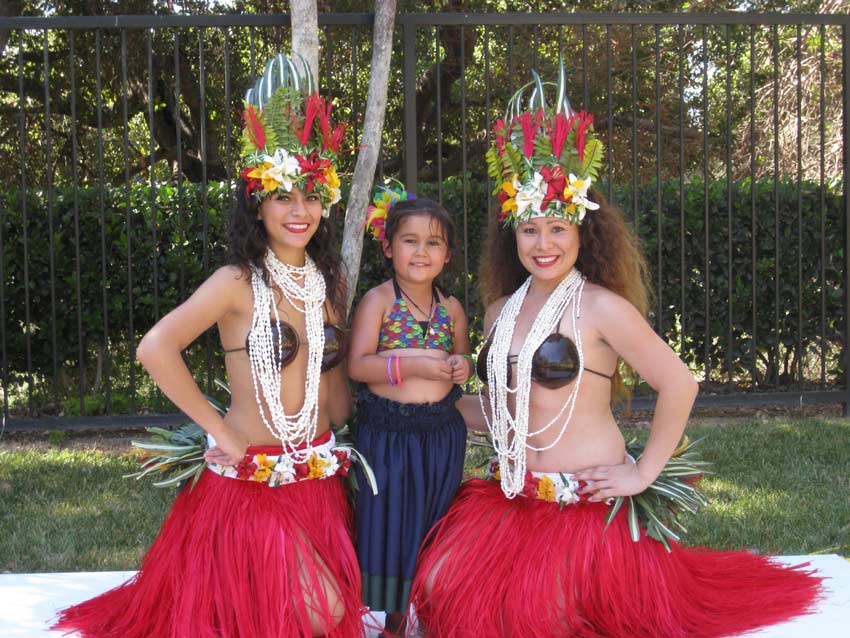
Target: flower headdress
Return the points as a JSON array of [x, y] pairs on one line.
[[288, 138], [384, 199], [544, 159]]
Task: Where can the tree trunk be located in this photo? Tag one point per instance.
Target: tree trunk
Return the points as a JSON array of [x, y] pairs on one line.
[[305, 32], [370, 142]]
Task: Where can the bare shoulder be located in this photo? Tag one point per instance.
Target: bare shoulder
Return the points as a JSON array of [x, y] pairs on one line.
[[231, 280], [454, 307], [377, 299], [603, 304]]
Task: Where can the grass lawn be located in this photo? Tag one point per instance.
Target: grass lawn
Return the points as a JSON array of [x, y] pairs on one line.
[[781, 486]]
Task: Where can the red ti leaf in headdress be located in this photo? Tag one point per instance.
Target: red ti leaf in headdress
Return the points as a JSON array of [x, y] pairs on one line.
[[336, 137], [312, 109], [560, 129], [499, 132], [325, 121], [585, 119], [255, 130], [528, 132]]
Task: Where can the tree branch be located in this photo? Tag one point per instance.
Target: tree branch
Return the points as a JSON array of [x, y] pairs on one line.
[[370, 143]]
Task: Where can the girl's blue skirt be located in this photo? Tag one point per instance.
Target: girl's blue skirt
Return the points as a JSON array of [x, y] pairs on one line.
[[416, 451]]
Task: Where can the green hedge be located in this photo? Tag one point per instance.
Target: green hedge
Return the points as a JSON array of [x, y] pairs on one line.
[[774, 349]]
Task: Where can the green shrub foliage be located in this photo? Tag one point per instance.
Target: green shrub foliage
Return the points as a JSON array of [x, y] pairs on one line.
[[180, 234]]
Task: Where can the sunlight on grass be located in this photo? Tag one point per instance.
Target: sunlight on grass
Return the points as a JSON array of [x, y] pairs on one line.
[[778, 487]]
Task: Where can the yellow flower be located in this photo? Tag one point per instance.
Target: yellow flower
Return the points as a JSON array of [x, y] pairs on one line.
[[264, 469], [546, 489], [317, 466], [270, 184], [509, 187], [332, 177]]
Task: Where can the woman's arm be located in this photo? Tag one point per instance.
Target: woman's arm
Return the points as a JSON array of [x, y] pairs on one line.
[[366, 366], [632, 338], [160, 352]]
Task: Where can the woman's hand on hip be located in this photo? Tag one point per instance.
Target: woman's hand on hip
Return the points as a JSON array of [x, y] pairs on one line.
[[610, 481], [230, 448]]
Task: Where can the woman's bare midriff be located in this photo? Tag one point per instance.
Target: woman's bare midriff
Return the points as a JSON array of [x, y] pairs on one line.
[[414, 389], [592, 436], [244, 415]]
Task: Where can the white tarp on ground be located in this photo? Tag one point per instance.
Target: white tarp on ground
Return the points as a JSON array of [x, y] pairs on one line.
[[29, 601]]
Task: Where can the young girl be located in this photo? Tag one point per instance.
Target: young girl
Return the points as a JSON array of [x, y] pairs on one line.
[[407, 346], [261, 545], [530, 552]]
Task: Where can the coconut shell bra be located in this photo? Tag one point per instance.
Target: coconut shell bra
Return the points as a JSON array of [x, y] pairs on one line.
[[554, 364], [287, 343]]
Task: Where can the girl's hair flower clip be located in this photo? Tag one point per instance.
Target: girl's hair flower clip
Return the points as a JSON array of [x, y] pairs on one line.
[[385, 198]]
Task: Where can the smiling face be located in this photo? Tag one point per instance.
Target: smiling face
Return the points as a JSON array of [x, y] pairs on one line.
[[290, 219], [547, 247], [419, 249]]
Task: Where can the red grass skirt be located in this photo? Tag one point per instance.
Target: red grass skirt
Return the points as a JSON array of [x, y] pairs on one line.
[[237, 559], [525, 567]]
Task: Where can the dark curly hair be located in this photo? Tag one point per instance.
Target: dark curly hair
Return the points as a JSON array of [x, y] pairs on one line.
[[609, 255], [247, 243]]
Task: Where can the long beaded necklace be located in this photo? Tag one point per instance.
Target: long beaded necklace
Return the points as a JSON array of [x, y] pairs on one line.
[[304, 289], [510, 432]]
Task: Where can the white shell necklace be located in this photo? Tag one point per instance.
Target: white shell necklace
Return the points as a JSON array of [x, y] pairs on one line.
[[304, 289], [510, 432]]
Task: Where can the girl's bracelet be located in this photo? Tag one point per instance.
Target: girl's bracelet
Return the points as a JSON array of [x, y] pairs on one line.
[[398, 377], [390, 370]]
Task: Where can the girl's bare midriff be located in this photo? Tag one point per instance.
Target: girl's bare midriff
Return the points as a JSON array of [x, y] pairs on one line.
[[414, 389]]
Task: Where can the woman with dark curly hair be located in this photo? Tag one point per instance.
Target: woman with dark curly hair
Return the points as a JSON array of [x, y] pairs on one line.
[[261, 545], [544, 547]]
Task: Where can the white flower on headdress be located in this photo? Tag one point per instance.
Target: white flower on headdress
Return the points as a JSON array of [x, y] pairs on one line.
[[577, 189], [531, 194], [284, 168]]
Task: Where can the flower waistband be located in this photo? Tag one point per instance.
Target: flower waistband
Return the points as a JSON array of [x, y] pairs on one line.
[[323, 461], [555, 487]]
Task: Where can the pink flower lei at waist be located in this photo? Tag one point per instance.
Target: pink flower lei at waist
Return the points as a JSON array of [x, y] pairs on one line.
[[323, 461]]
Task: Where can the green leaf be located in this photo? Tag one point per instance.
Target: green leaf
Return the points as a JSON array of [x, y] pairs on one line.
[[592, 162]]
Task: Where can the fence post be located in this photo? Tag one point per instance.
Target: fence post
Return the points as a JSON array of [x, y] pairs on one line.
[[409, 74], [845, 98]]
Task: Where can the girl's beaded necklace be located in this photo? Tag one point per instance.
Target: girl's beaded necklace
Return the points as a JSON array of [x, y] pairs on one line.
[[510, 432], [304, 288]]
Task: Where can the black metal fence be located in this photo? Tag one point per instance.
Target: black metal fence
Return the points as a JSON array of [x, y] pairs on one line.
[[725, 140]]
